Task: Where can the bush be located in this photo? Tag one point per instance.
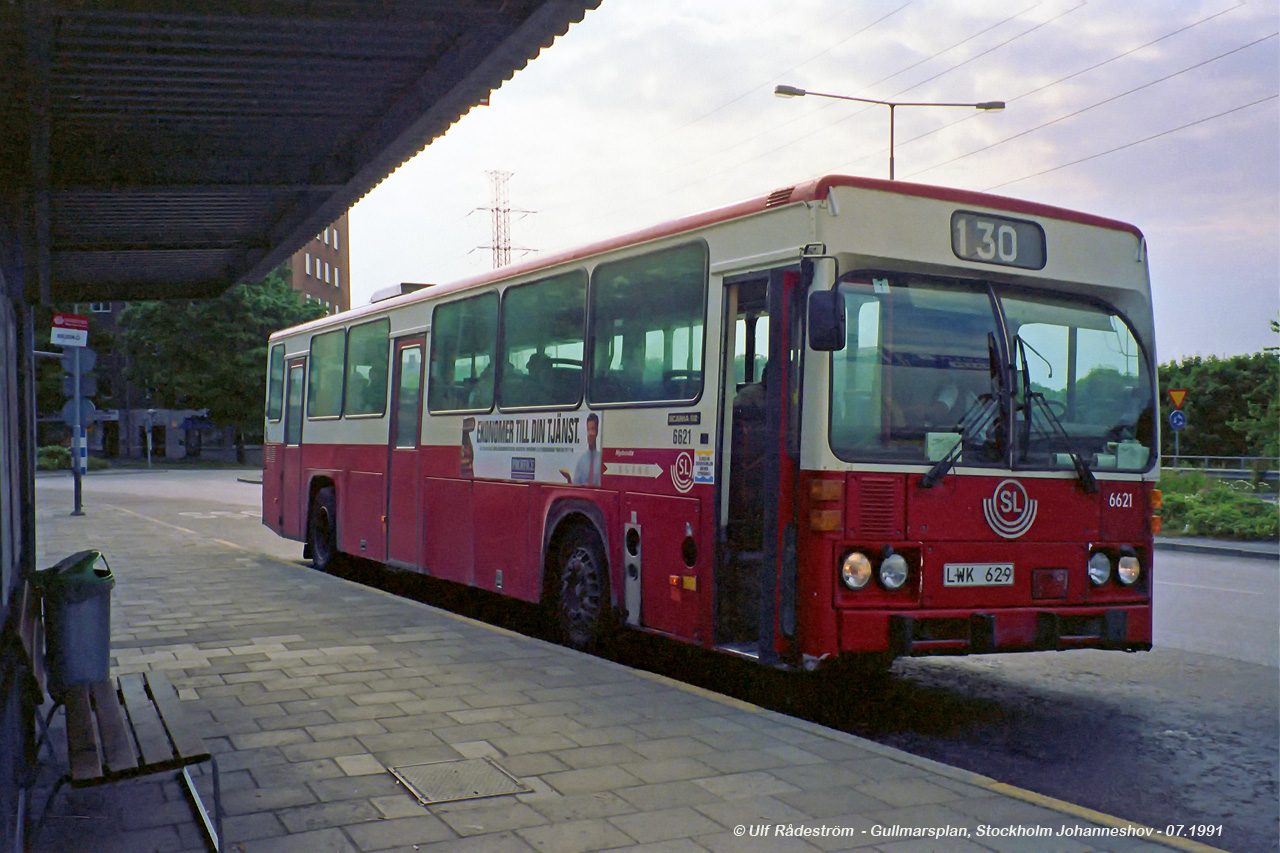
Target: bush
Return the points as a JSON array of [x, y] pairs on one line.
[[1198, 505], [55, 457]]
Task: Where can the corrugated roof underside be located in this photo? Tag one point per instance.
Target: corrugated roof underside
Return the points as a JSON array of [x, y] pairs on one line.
[[193, 144]]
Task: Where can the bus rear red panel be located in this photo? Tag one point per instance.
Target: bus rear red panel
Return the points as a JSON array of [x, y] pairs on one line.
[[448, 517], [272, 494], [502, 540], [360, 512], [673, 582]]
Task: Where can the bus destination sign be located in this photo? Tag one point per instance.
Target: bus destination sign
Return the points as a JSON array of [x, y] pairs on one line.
[[998, 240]]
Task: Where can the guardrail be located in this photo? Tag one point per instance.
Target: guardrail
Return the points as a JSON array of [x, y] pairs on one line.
[[1233, 467]]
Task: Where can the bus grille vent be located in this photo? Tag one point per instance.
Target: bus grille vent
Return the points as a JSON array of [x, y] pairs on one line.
[[879, 507], [779, 197]]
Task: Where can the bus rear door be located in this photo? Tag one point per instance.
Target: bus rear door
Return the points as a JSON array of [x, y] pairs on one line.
[[293, 504], [404, 494]]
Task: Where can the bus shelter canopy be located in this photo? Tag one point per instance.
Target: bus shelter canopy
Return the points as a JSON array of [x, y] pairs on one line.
[[154, 149]]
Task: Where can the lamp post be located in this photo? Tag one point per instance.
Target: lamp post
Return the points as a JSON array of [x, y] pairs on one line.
[[794, 92]]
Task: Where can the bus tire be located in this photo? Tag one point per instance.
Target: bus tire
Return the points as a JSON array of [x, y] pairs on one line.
[[322, 530], [582, 608]]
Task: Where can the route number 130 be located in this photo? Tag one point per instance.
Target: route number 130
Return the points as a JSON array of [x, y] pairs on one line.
[[997, 240]]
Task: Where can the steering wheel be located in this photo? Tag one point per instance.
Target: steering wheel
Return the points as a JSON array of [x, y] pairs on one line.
[[1058, 407]]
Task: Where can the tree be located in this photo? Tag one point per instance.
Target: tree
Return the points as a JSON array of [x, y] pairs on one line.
[[212, 353], [1231, 406]]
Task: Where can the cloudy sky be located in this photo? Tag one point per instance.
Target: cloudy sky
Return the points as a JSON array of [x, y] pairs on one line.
[[1162, 113]]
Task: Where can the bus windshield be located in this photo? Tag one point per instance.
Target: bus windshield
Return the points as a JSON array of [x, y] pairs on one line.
[[926, 373]]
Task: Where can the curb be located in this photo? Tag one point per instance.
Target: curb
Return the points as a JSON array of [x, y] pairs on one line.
[[1219, 549]]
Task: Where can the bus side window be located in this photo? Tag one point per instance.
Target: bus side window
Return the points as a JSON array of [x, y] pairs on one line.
[[324, 383], [367, 354], [543, 341], [648, 313], [464, 339]]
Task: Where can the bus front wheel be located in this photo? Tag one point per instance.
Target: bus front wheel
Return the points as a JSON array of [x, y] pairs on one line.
[[322, 530], [584, 594]]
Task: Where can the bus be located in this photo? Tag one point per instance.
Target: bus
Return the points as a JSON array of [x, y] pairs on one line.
[[847, 421]]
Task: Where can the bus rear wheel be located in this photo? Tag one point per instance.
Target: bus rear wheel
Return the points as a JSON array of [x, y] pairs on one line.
[[583, 604], [322, 530]]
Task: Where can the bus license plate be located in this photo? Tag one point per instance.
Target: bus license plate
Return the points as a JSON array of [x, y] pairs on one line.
[[978, 574]]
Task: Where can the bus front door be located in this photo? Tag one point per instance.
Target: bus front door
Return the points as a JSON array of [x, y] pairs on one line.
[[756, 567], [404, 492]]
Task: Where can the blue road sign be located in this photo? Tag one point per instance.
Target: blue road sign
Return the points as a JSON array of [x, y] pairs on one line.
[[1177, 419]]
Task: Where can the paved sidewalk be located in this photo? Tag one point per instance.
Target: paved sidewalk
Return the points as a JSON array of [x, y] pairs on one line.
[[309, 687]]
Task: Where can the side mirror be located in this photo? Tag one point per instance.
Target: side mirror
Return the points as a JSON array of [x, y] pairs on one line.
[[826, 320]]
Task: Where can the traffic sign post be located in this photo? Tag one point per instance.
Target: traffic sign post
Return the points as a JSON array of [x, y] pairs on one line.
[[1177, 421], [71, 331], [1177, 418]]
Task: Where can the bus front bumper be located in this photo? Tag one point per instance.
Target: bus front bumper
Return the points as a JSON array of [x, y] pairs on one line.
[[951, 632]]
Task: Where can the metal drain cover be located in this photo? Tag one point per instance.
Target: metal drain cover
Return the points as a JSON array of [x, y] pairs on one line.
[[462, 779]]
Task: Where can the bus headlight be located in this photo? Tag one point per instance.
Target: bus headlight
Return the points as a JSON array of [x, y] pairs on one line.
[[1129, 569], [894, 571], [1099, 568], [855, 570]]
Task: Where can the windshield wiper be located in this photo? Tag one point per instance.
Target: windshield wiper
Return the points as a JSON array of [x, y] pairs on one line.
[[1035, 398], [976, 419]]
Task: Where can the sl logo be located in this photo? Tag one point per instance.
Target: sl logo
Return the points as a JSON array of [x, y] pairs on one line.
[[1009, 511], [682, 473]]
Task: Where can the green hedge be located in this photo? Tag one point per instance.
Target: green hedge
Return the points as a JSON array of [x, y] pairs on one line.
[[55, 457], [1198, 505]]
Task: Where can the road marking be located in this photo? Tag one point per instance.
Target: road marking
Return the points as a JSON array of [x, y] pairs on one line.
[[1210, 588]]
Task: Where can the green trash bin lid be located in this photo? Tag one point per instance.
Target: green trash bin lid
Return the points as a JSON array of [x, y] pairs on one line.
[[84, 574]]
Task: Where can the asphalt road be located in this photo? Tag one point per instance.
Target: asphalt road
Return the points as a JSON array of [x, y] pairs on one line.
[[1186, 734]]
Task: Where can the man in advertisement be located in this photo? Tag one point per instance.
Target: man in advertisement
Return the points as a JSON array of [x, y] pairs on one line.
[[587, 470]]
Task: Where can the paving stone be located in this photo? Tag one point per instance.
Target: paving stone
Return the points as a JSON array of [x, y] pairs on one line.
[[665, 795], [322, 815], [399, 832], [596, 756], [664, 825], [736, 785], [277, 775], [266, 799], [320, 841], [750, 811], [353, 787], [322, 749], [558, 809], [590, 779], [907, 792], [574, 836], [668, 769], [498, 815]]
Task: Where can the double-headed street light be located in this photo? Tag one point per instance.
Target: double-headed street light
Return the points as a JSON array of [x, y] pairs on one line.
[[794, 92]]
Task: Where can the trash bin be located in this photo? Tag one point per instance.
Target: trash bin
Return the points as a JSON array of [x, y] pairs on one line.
[[77, 619]]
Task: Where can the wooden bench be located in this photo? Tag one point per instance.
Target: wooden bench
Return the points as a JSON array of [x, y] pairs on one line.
[[117, 729]]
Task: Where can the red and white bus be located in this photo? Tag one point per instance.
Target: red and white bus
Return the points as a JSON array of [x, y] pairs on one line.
[[849, 420]]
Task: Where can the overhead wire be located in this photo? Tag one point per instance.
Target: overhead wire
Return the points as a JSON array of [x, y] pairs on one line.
[[1136, 142], [1097, 104], [1062, 79], [720, 153]]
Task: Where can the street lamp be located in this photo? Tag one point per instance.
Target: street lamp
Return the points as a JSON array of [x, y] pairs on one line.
[[794, 92]]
